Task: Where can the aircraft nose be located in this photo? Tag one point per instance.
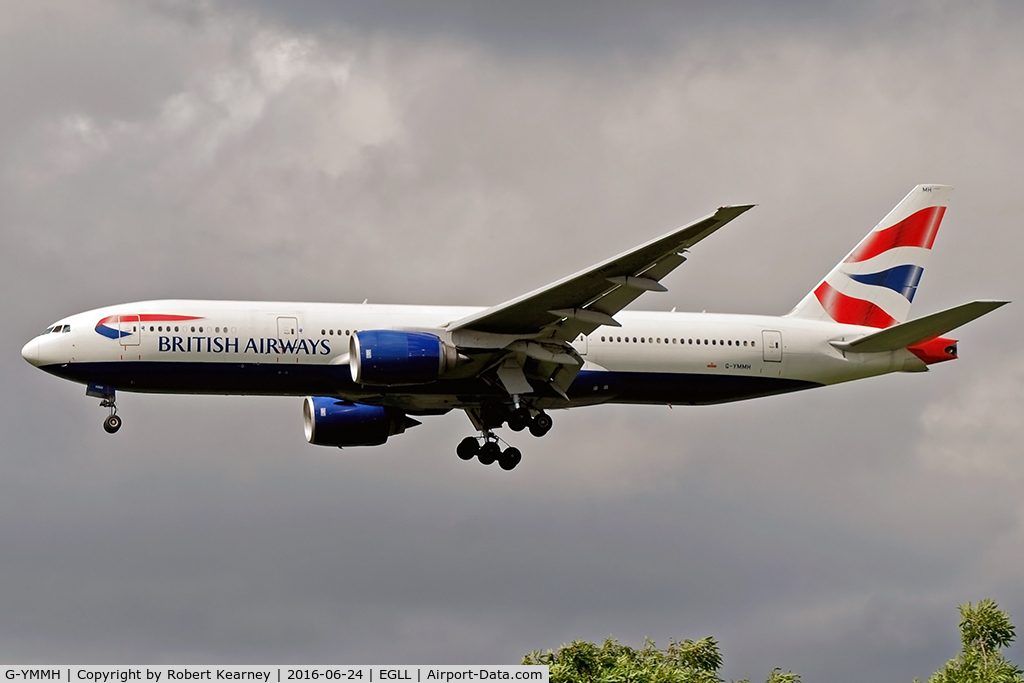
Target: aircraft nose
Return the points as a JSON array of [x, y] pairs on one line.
[[30, 352]]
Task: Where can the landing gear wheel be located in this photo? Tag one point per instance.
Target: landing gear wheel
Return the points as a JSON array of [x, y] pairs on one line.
[[468, 448], [489, 452], [112, 424], [509, 459], [519, 420], [541, 424]]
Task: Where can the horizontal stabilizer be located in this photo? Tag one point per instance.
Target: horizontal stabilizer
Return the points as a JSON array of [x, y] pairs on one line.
[[919, 330]]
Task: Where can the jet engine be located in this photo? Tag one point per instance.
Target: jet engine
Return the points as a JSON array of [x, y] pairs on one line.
[[395, 358], [333, 422]]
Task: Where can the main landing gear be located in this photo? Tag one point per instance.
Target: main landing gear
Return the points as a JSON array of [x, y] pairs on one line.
[[487, 447], [539, 424], [489, 452]]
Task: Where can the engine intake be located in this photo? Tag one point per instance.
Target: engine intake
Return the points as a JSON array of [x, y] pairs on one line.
[[333, 422], [395, 358]]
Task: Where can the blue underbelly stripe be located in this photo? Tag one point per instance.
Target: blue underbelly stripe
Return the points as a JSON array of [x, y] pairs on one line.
[[272, 379]]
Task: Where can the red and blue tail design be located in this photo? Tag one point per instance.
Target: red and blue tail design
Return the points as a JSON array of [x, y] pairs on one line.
[[875, 284]]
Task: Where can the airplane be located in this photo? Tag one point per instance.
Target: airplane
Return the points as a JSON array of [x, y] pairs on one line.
[[368, 370]]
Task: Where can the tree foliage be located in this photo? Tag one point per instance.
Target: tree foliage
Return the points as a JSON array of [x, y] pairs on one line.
[[984, 631], [688, 661]]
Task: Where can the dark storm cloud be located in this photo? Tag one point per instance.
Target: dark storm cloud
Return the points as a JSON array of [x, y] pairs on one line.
[[572, 30], [466, 155]]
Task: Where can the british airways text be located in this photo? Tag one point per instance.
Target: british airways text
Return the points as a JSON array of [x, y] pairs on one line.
[[262, 345]]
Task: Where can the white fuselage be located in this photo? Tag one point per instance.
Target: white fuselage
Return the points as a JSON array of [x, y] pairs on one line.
[[278, 348]]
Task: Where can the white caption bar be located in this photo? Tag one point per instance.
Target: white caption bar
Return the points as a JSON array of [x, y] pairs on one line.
[[274, 674]]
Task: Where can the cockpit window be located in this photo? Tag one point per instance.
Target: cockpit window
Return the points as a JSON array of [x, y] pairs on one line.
[[67, 328]]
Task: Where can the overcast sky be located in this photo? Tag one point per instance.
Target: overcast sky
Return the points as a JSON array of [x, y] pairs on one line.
[[467, 152]]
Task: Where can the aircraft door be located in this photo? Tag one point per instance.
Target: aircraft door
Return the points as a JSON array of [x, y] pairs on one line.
[[771, 341], [580, 344], [129, 328], [287, 328]]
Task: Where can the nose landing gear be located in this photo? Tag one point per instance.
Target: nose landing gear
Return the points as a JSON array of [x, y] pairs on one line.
[[112, 423], [108, 398]]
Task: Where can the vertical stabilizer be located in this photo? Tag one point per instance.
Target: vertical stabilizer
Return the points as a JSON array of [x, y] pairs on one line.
[[876, 282]]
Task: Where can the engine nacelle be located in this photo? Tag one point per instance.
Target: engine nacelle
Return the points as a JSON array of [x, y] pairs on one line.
[[333, 422], [395, 358]]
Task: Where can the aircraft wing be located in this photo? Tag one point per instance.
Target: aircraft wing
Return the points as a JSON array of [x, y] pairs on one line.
[[581, 303]]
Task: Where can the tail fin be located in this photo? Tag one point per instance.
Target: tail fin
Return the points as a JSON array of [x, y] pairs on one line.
[[876, 282]]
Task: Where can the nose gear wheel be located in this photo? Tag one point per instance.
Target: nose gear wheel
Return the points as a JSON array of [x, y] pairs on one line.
[[112, 422]]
